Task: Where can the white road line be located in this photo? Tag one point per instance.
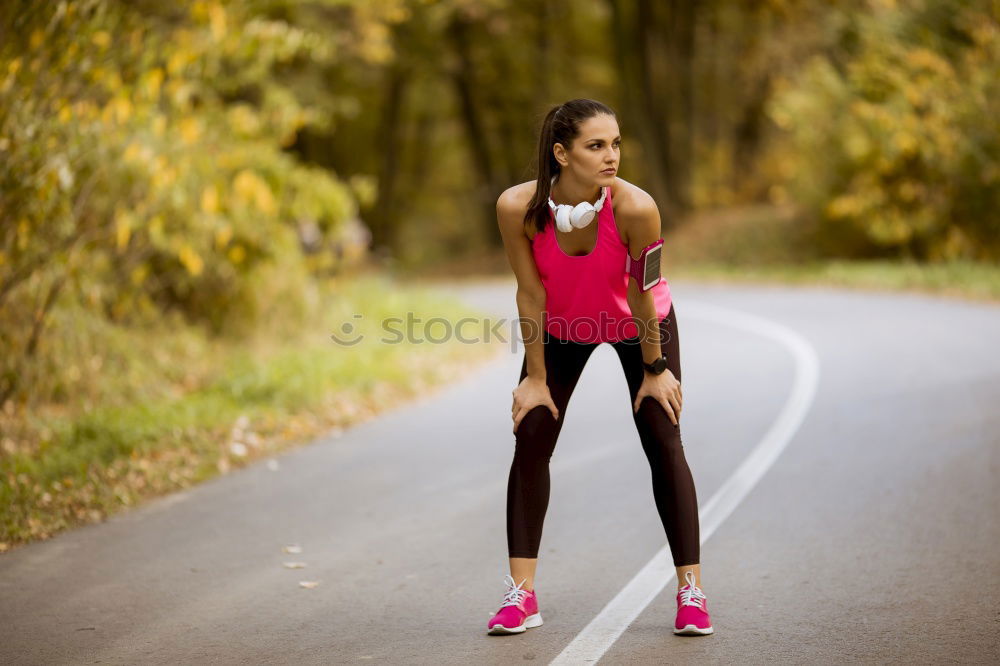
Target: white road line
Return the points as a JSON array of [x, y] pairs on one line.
[[600, 634]]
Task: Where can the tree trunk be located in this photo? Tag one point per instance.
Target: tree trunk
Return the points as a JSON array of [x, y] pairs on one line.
[[486, 189], [682, 45], [389, 139], [638, 114]]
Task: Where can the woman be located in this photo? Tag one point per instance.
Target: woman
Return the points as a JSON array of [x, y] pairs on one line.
[[578, 279]]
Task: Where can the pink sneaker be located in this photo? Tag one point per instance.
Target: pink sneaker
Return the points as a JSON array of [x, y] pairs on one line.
[[692, 614], [519, 611]]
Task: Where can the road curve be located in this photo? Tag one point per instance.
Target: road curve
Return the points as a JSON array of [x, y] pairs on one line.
[[872, 537]]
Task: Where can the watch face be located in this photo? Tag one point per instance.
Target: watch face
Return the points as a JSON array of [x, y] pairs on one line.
[[657, 366]]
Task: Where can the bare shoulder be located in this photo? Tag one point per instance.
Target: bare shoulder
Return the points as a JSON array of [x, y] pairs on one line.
[[632, 201], [516, 198], [512, 205], [636, 213]]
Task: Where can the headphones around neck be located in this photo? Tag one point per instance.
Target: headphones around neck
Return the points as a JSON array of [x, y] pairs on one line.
[[580, 215]]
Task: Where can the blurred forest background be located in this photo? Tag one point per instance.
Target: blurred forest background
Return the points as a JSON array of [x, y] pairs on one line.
[[190, 191]]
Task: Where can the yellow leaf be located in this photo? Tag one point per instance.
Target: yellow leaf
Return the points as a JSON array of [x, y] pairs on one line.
[[909, 190], [22, 233], [210, 199], [123, 230], [118, 110], [192, 262], [250, 187], [857, 145], [156, 228], [102, 39], [244, 120], [84, 109], [265, 201], [905, 142], [113, 79], [153, 81], [223, 236], [190, 128], [842, 206], [139, 274], [217, 19], [236, 254], [162, 174], [133, 151], [176, 63]]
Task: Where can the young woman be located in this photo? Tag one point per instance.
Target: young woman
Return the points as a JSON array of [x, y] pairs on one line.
[[577, 278]]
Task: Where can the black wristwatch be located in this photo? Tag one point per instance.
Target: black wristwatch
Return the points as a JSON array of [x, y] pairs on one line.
[[658, 366]]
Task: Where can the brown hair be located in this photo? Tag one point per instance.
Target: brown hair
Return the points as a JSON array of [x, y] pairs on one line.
[[561, 125]]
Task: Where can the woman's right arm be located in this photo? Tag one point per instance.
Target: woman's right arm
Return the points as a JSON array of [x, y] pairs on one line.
[[533, 390]]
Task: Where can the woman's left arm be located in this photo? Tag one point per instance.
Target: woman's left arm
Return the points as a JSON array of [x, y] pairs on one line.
[[642, 226]]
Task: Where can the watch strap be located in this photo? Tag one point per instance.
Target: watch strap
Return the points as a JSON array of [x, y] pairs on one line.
[[661, 361]]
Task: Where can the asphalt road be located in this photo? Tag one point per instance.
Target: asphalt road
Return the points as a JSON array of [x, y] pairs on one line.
[[872, 538]]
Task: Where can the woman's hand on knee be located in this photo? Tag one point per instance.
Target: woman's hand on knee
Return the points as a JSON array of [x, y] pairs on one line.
[[665, 389], [531, 393]]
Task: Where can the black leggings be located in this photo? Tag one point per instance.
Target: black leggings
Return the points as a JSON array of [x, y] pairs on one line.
[[673, 486]]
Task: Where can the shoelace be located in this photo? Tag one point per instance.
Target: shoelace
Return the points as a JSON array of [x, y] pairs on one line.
[[691, 595], [515, 595]]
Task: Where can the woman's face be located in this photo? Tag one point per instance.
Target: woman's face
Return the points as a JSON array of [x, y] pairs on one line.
[[594, 154]]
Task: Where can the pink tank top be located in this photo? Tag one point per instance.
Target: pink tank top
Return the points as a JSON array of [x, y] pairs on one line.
[[587, 296]]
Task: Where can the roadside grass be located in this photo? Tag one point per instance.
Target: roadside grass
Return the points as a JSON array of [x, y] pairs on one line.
[[772, 244], [957, 279], [231, 405]]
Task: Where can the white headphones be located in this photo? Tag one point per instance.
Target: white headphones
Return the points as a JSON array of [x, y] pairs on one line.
[[578, 216]]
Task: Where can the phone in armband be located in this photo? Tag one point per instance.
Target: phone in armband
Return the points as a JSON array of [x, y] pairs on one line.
[[646, 269]]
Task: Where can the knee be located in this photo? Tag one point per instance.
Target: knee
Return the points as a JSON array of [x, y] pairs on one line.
[[536, 433], [655, 427]]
